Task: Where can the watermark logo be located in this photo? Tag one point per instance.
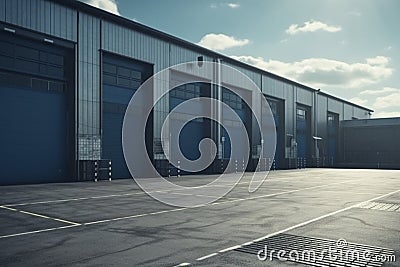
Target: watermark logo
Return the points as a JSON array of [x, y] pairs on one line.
[[152, 100], [341, 251]]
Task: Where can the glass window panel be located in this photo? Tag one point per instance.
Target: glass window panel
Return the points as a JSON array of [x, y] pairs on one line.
[[27, 65], [27, 53], [55, 59], [136, 75], [56, 86], [55, 71], [109, 68], [135, 84], [180, 94], [124, 72], [6, 48], [109, 79]]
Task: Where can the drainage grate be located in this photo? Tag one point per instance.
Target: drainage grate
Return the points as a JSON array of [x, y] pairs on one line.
[[380, 206], [318, 252]]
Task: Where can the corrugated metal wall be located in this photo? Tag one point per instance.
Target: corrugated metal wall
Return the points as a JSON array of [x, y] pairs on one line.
[[89, 132], [40, 15], [95, 35]]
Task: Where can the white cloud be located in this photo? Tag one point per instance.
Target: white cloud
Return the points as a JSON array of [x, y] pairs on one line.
[[388, 101], [233, 5], [379, 60], [108, 5], [230, 5], [312, 26], [321, 72], [385, 114], [359, 101], [221, 41], [385, 90]]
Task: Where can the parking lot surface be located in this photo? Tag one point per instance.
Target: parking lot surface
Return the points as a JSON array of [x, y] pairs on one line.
[[117, 224]]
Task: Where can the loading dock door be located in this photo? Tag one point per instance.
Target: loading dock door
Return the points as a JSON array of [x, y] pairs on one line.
[[333, 132], [33, 112], [302, 132], [195, 130], [121, 79]]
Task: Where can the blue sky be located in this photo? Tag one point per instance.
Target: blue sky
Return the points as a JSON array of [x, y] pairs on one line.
[[349, 48]]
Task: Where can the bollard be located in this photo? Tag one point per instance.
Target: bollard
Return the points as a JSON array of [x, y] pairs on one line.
[[95, 171], [110, 171]]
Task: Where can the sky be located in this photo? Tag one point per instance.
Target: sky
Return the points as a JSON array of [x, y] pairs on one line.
[[348, 48]]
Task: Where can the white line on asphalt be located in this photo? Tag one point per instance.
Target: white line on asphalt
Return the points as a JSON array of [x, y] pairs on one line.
[[212, 204], [178, 209], [41, 216], [7, 208], [206, 257], [182, 264], [126, 194], [229, 249], [315, 219], [39, 231], [71, 199]]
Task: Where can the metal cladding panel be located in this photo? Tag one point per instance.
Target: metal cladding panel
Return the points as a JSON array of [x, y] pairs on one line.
[[273, 87], [290, 108], [360, 113], [40, 15], [179, 54], [347, 113], [89, 87], [322, 116], [254, 76], [335, 106], [304, 96], [130, 43]]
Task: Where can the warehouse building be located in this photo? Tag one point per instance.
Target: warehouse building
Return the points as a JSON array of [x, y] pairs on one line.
[[372, 143], [68, 71]]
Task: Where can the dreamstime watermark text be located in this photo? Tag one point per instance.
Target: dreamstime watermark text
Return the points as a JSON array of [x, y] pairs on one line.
[[340, 251]]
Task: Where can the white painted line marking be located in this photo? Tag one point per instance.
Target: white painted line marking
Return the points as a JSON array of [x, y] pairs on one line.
[[47, 217], [7, 208], [39, 231], [372, 204], [206, 257], [229, 249], [183, 264], [317, 219], [41, 216], [211, 204]]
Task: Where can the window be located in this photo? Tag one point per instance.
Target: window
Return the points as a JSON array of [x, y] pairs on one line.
[[186, 91], [31, 60], [232, 99], [121, 76]]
